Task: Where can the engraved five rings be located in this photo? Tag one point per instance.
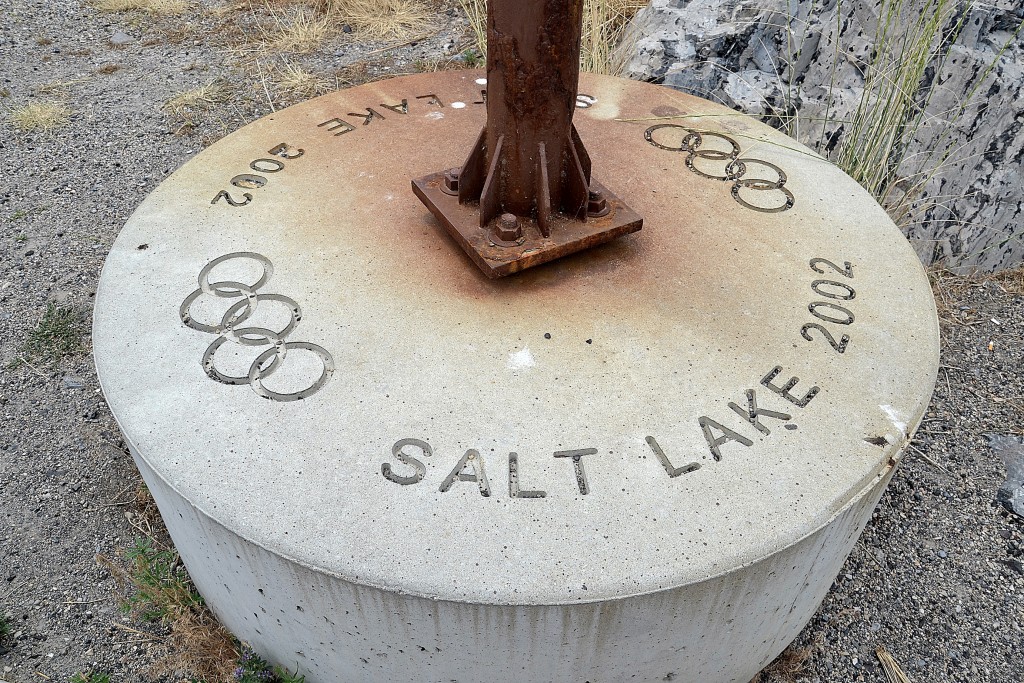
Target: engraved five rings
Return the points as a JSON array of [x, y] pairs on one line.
[[735, 168], [227, 330]]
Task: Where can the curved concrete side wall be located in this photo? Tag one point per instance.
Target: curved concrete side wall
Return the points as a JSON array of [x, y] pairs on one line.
[[723, 629]]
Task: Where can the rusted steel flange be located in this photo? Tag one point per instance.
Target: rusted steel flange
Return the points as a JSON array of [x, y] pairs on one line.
[[529, 160]]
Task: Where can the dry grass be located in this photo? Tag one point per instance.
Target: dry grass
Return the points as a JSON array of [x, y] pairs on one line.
[[353, 74], [108, 69], [55, 87], [948, 288], [893, 672], [299, 27], [299, 32], [384, 19], [40, 117], [1012, 281], [788, 666], [201, 647], [298, 82], [476, 12], [606, 45], [913, 37], [891, 111], [604, 32], [156, 588], [188, 107], [162, 7], [199, 99]]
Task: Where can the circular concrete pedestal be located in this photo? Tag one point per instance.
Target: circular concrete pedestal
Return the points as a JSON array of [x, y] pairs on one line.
[[644, 462]]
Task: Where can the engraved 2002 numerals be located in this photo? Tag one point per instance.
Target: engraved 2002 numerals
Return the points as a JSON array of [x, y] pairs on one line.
[[254, 181]]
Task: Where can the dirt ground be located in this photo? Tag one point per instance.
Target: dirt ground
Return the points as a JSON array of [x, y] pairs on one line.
[[937, 578]]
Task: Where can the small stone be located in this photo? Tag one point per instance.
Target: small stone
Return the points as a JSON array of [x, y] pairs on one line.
[[1011, 449], [121, 38], [942, 554], [346, 29], [1015, 565], [74, 383]]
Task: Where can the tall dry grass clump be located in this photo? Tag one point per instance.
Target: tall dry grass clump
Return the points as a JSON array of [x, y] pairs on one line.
[[892, 109], [39, 117], [912, 39], [394, 19], [381, 19], [302, 26], [606, 41], [605, 25], [302, 32], [295, 82]]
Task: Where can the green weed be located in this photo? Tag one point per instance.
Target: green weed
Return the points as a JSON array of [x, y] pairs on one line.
[[5, 626], [58, 335], [25, 213], [473, 58], [163, 591], [254, 669], [163, 588], [90, 678]]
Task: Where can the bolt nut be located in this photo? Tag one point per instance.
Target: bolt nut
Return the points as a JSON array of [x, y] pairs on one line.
[[508, 227], [450, 185], [597, 205]]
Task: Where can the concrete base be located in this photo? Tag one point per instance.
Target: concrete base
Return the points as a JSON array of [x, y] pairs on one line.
[[644, 462], [725, 628]]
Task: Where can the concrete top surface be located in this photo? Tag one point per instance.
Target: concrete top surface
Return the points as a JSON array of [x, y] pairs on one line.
[[290, 340]]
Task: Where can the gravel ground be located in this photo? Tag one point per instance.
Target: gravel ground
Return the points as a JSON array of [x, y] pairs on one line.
[[936, 579]]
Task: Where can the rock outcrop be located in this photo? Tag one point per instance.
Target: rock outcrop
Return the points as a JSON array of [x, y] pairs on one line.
[[801, 66]]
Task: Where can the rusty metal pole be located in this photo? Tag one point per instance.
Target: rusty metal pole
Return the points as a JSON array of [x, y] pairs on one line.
[[534, 159], [528, 176]]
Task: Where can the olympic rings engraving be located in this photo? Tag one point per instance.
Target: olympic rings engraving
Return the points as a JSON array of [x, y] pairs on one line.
[[736, 168], [230, 329]]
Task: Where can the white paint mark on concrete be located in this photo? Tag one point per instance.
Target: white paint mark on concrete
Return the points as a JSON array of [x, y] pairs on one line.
[[896, 418], [458, 105], [435, 116], [481, 81], [521, 359]]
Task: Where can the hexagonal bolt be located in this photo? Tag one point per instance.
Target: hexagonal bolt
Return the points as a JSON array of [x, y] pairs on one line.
[[451, 181], [597, 206], [508, 228]]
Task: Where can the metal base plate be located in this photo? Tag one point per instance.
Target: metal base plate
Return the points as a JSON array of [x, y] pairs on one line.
[[497, 258]]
